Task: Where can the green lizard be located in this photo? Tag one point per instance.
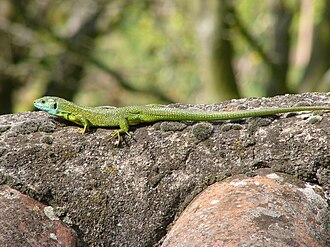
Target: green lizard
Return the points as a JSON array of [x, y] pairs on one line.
[[132, 115]]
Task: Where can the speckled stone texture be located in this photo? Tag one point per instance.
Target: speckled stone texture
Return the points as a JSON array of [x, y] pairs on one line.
[[132, 194]]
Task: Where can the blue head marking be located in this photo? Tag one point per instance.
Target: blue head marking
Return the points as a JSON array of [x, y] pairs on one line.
[[48, 104]]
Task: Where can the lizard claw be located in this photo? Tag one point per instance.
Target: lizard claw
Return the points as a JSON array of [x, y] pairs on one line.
[[84, 130], [118, 134]]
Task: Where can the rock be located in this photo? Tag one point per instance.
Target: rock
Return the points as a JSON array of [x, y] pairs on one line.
[[24, 222], [130, 195], [270, 209]]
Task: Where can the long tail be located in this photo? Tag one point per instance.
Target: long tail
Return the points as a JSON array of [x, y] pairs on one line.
[[154, 114]]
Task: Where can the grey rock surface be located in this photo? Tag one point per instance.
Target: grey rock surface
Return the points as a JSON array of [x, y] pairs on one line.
[[131, 194]]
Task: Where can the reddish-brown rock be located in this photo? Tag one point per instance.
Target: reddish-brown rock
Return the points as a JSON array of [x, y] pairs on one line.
[[270, 209], [27, 222]]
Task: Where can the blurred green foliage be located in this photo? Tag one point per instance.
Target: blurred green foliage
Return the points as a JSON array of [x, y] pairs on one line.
[[139, 52]]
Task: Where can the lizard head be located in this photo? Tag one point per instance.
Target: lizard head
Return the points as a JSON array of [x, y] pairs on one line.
[[48, 104]]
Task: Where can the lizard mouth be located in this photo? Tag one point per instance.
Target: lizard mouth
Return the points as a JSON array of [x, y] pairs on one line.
[[37, 105]]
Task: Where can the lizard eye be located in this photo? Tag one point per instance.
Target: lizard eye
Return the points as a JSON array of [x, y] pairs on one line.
[[43, 101], [55, 105]]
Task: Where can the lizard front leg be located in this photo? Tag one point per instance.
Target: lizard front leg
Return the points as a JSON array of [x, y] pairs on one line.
[[78, 119]]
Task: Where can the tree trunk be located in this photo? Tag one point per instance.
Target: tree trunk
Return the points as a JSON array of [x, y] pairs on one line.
[[281, 47], [317, 73], [214, 29]]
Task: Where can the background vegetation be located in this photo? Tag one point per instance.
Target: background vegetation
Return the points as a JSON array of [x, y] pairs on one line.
[[120, 52]]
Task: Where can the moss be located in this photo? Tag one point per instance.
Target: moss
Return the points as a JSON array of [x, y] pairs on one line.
[[47, 127], [231, 126], [202, 130], [172, 126], [314, 119], [255, 123], [47, 140], [209, 143]]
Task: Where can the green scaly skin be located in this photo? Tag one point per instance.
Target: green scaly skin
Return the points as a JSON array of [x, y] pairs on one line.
[[132, 115]]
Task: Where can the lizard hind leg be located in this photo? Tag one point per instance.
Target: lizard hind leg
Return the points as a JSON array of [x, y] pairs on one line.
[[123, 129], [118, 133]]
